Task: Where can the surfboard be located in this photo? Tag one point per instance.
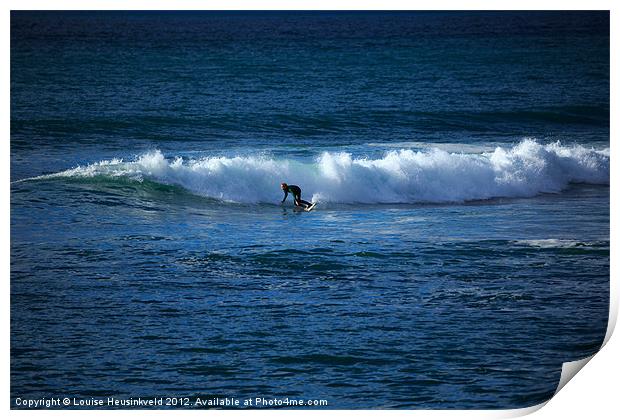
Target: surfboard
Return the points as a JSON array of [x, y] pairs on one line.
[[310, 207]]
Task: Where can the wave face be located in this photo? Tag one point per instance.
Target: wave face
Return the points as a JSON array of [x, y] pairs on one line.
[[400, 176]]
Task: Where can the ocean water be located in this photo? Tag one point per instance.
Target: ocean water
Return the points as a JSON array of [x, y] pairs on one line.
[[457, 256]]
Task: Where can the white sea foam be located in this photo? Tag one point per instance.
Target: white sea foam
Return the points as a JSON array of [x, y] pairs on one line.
[[551, 243], [400, 176]]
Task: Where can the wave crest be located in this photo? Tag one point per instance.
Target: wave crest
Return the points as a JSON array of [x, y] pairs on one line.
[[400, 176]]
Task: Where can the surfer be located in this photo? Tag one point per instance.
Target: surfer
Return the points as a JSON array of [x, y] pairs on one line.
[[296, 191]]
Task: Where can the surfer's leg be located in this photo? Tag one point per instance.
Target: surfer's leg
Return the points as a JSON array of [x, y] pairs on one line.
[[305, 203], [299, 202]]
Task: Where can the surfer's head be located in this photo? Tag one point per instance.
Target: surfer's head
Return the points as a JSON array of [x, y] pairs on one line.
[[283, 185]]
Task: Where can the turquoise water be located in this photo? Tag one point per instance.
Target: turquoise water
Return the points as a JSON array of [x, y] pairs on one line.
[[458, 253]]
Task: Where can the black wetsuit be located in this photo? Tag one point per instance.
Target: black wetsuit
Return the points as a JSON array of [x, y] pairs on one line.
[[296, 191]]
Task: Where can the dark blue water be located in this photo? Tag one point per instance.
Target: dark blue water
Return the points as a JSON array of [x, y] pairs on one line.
[[457, 256]]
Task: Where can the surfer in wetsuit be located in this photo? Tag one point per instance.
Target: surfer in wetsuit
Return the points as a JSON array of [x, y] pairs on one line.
[[296, 191]]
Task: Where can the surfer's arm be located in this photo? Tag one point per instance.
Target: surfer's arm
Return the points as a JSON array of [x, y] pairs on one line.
[[285, 195]]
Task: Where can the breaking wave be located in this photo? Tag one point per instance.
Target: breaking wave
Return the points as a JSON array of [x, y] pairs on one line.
[[400, 176]]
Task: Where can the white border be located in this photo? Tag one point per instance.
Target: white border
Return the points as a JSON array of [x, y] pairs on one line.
[[592, 394]]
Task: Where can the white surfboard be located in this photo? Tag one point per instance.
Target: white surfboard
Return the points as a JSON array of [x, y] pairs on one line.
[[309, 208]]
